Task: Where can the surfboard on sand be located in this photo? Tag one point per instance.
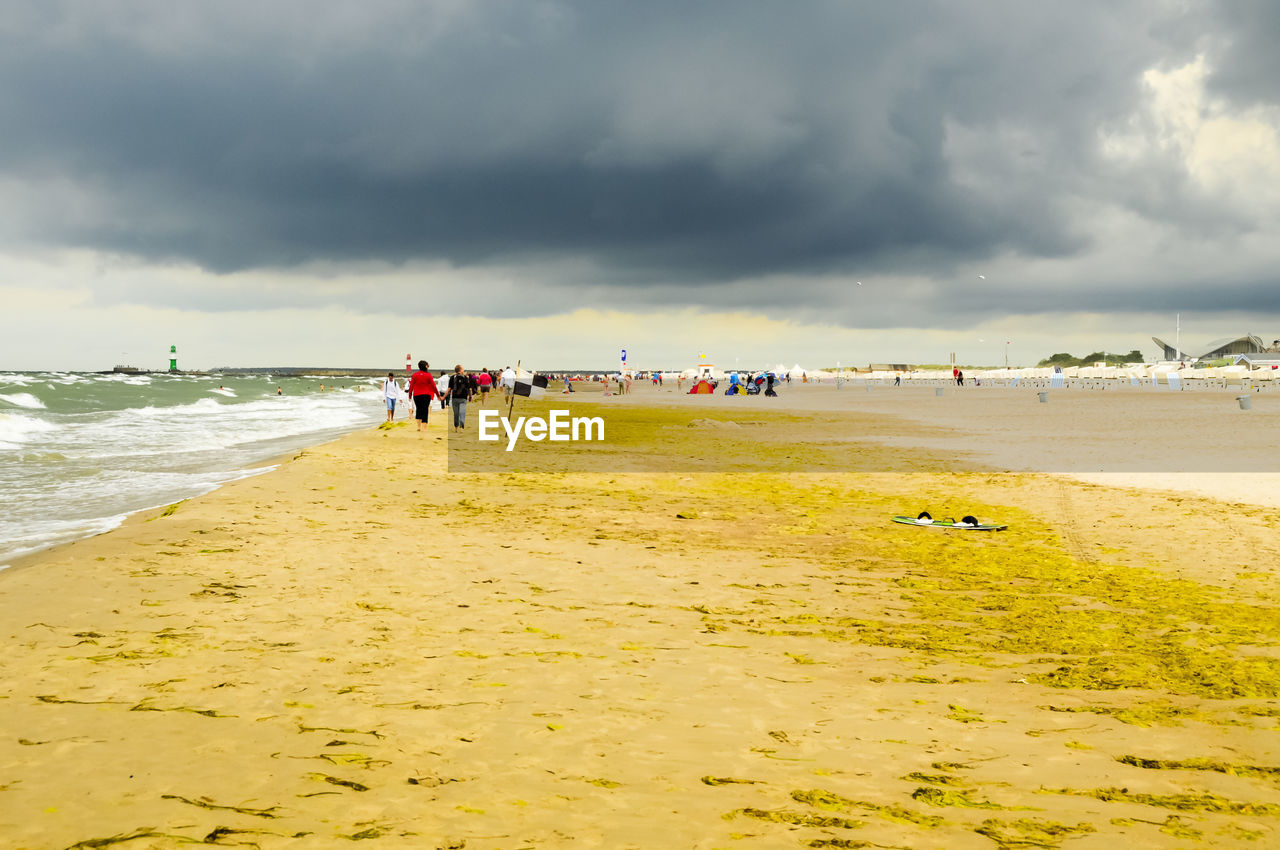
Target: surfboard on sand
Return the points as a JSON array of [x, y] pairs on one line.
[[967, 524]]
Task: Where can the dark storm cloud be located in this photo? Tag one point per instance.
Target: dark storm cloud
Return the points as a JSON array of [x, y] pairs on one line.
[[661, 143], [1243, 39]]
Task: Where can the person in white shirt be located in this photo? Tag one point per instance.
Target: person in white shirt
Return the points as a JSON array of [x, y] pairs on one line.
[[390, 392], [508, 381]]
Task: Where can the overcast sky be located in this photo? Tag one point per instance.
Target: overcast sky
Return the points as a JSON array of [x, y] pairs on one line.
[[321, 183]]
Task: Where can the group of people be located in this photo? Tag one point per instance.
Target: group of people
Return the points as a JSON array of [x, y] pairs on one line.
[[621, 384], [453, 390], [752, 384]]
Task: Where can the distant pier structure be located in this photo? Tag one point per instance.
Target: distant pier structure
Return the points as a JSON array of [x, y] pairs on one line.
[[173, 358]]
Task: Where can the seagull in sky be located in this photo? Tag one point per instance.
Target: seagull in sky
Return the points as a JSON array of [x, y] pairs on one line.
[[982, 277]]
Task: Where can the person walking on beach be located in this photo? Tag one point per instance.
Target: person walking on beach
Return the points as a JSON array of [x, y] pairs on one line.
[[390, 392], [422, 389], [459, 394], [508, 382], [484, 381]]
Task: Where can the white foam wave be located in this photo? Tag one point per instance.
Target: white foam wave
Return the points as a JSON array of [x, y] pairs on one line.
[[209, 425], [41, 535], [72, 473], [124, 378], [22, 535], [26, 400], [16, 429]]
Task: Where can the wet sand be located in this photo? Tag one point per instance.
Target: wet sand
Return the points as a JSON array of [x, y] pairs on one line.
[[363, 646]]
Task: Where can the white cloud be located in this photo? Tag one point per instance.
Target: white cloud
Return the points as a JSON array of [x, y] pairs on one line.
[[1231, 154]]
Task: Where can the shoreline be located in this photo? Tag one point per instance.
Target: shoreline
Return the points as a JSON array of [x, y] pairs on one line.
[[30, 559], [253, 467], [1258, 489]]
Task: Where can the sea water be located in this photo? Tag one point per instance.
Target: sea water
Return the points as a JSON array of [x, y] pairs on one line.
[[80, 452]]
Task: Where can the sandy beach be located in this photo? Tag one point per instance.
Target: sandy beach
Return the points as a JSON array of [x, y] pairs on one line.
[[362, 645]]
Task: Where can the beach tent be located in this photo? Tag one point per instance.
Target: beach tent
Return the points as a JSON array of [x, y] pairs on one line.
[[702, 387]]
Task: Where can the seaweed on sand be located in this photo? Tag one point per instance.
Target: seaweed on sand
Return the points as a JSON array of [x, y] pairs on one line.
[[1213, 765], [1154, 713], [374, 732], [796, 818], [206, 803], [934, 778], [727, 780], [1028, 832], [1203, 802], [167, 512], [1101, 626], [342, 783], [943, 797], [141, 832], [146, 705], [831, 801], [52, 700]]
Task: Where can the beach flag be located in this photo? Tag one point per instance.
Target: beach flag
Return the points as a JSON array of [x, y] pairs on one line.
[[533, 388]]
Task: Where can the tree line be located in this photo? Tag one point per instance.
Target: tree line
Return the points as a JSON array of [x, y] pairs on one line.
[[1066, 360]]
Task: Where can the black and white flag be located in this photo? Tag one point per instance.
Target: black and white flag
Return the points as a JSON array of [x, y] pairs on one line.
[[534, 389]]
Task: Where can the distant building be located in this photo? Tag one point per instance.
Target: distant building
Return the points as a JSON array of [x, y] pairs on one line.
[[1219, 348], [1259, 361]]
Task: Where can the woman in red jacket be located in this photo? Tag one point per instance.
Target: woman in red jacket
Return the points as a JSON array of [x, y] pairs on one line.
[[422, 388]]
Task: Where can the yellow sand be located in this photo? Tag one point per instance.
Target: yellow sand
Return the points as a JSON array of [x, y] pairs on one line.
[[362, 646]]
